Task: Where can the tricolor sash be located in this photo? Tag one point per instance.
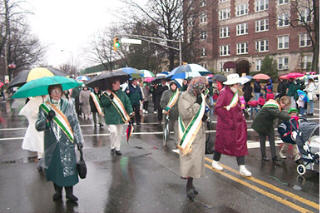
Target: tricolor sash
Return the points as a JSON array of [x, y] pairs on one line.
[[234, 101], [117, 103], [96, 102], [173, 100], [272, 104], [188, 134], [60, 119]]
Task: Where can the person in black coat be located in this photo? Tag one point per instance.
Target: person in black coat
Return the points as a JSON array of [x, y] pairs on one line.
[[94, 110], [156, 94], [282, 88], [247, 92], [257, 89]]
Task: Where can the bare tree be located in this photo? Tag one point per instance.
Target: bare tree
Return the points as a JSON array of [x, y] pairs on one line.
[[168, 16], [71, 70]]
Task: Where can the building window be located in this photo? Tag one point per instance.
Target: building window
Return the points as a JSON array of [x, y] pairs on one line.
[[262, 25], [241, 9], [304, 16], [203, 18], [203, 3], [283, 42], [262, 45], [224, 70], [306, 62], [242, 48], [242, 29], [203, 35], [261, 5], [190, 21], [283, 63], [224, 14], [283, 2], [283, 20], [304, 40], [258, 64], [203, 52], [204, 65], [224, 32], [225, 50]]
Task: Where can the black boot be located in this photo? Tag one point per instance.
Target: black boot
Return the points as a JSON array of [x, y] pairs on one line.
[[69, 194], [190, 190], [58, 195]]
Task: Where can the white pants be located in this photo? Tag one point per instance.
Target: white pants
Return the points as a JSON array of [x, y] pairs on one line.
[[116, 133]]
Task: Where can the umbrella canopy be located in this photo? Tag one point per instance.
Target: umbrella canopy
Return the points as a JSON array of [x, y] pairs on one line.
[[148, 79], [245, 79], [261, 77], [29, 75], [40, 86], [146, 73], [219, 77], [103, 80], [82, 78], [294, 75], [190, 70], [158, 79], [1, 84], [162, 74], [134, 73]]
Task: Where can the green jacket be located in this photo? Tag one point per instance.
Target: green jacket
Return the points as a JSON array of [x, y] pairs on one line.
[[111, 114], [292, 90], [264, 121]]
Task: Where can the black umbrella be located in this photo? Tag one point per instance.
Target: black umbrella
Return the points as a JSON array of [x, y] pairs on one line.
[[219, 77], [28, 75], [104, 79], [159, 79]]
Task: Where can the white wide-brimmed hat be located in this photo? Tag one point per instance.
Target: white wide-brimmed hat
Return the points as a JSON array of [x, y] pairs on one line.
[[233, 79]]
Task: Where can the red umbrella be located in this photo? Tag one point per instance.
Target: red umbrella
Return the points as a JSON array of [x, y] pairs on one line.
[[129, 131], [261, 77], [284, 77], [295, 75], [1, 84]]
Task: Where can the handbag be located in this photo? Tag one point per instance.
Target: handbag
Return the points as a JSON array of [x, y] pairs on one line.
[[81, 165]]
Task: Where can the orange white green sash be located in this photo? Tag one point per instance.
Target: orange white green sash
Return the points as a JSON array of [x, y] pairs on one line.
[[173, 100], [234, 101], [272, 104], [60, 119], [96, 102], [188, 134], [117, 103]]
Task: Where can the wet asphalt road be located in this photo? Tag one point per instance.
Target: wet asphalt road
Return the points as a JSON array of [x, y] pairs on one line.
[[146, 177]]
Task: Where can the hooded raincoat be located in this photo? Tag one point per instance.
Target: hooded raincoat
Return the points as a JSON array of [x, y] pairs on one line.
[[60, 156], [231, 131]]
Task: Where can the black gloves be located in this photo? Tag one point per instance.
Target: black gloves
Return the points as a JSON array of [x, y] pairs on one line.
[[51, 115], [199, 99], [205, 117], [111, 96], [80, 146]]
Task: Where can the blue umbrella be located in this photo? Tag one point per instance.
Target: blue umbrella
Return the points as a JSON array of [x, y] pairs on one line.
[[134, 73], [82, 78], [189, 70]]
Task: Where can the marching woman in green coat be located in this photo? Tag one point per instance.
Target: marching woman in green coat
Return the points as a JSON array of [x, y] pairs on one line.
[[117, 111], [58, 119]]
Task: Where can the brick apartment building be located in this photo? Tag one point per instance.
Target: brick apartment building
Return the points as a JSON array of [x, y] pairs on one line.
[[235, 35]]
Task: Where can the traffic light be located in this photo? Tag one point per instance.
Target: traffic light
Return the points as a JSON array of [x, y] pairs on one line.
[[116, 43]]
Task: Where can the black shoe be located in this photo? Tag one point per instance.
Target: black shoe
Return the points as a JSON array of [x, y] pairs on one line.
[[118, 152], [113, 151], [100, 124], [265, 159], [57, 197], [190, 194], [69, 194], [194, 190]]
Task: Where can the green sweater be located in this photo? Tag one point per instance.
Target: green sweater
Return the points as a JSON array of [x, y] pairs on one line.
[[111, 115]]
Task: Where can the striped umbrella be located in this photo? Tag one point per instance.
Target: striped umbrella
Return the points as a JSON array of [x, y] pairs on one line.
[[29, 75], [146, 73]]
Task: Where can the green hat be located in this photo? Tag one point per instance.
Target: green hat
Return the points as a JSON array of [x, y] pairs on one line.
[[292, 110]]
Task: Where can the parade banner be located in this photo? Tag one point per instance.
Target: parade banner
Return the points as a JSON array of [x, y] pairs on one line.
[[188, 134], [234, 101], [173, 100], [60, 119]]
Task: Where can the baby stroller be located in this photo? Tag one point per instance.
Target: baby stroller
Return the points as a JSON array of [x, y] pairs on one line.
[[308, 141]]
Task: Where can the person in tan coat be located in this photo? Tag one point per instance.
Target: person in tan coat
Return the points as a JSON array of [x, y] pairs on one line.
[[192, 159]]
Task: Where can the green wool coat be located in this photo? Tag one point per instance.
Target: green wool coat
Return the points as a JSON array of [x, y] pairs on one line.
[[264, 121], [111, 114], [60, 156]]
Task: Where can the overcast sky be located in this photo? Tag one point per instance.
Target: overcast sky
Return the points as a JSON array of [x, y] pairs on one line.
[[68, 26]]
